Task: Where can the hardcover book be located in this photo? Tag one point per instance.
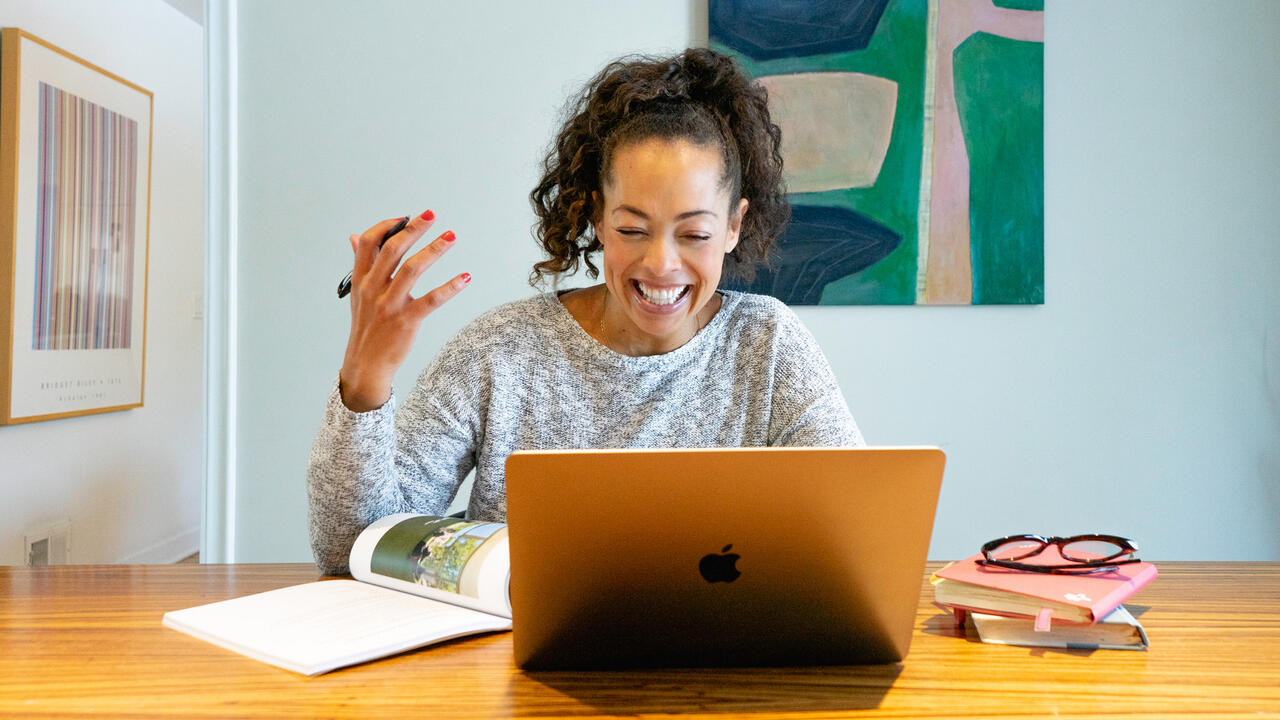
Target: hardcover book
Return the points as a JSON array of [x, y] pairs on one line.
[[1119, 630], [1080, 599], [418, 580]]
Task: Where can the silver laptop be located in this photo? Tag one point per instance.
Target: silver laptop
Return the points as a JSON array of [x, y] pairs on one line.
[[718, 557]]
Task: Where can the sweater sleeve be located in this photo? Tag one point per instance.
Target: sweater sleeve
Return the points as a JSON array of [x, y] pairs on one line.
[[365, 466], [808, 409]]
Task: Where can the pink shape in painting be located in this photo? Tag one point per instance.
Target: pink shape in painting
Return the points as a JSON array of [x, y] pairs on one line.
[[949, 267]]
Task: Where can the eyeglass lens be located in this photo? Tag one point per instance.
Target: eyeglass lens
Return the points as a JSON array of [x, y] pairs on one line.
[[1092, 550], [1016, 550]]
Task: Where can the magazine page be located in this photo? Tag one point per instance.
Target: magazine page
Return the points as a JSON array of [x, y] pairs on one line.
[[462, 562], [320, 626]]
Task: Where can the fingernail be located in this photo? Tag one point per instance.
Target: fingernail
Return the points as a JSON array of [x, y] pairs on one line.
[[466, 278], [428, 215], [448, 236]]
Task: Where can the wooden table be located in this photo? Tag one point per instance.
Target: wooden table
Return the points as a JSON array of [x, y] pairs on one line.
[[81, 641]]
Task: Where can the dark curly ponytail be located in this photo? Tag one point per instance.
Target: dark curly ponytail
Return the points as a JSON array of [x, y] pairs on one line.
[[698, 95]]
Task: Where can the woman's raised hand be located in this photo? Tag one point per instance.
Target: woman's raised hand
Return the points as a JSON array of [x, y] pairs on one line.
[[384, 317]]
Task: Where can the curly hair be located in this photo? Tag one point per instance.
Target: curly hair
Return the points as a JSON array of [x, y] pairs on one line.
[[698, 95]]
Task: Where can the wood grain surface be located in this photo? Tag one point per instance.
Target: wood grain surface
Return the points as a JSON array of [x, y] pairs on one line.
[[86, 641]]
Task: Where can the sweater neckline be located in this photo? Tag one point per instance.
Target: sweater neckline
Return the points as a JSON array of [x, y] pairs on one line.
[[590, 347]]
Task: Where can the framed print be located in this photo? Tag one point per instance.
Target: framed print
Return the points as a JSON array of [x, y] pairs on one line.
[[75, 192]]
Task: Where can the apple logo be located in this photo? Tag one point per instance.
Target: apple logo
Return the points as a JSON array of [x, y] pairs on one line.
[[720, 567]]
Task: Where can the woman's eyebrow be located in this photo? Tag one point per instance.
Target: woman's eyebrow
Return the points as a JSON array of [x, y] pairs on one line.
[[633, 210], [636, 211], [693, 213]]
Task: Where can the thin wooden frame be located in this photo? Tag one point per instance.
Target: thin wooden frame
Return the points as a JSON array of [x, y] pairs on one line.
[[75, 229]]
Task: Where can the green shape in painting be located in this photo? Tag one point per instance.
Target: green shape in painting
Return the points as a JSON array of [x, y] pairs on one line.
[[1020, 4], [1000, 94]]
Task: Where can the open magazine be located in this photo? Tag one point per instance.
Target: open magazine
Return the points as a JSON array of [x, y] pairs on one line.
[[418, 580]]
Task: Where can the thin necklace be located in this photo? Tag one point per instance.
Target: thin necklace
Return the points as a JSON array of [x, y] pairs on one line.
[[603, 338]]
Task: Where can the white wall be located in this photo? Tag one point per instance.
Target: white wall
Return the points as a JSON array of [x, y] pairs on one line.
[[130, 482], [1143, 398]]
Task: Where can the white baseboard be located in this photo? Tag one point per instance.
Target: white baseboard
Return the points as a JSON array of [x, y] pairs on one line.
[[169, 550]]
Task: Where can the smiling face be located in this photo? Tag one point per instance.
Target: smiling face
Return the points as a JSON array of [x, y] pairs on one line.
[[665, 223]]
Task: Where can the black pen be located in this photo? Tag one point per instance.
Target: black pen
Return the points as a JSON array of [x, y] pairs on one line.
[[344, 287]]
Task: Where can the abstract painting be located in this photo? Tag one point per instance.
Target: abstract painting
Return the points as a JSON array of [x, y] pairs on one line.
[[75, 160], [913, 146], [85, 230]]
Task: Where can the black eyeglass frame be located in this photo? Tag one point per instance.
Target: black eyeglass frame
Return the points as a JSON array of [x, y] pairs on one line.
[[1081, 566]]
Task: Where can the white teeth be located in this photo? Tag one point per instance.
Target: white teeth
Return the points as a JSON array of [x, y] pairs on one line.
[[661, 297]]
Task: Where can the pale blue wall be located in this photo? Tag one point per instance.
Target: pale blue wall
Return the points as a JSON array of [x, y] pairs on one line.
[[1142, 398]]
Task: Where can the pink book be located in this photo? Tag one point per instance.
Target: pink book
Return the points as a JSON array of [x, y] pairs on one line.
[[1084, 599]]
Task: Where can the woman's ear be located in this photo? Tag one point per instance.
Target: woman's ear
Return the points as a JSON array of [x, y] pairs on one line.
[[597, 211], [735, 226]]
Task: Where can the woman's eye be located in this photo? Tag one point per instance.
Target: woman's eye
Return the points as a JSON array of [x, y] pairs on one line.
[[699, 238], [630, 232]]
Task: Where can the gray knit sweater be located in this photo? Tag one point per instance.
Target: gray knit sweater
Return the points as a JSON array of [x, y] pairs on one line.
[[526, 375]]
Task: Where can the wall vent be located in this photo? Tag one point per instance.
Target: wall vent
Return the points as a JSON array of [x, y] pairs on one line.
[[48, 546]]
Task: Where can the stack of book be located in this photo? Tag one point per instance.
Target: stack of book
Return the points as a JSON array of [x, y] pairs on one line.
[[1015, 607]]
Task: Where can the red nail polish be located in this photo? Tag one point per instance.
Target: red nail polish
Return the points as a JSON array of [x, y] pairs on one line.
[[428, 215], [448, 236], [466, 278]]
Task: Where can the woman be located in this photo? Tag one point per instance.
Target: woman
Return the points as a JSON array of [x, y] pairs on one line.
[[669, 168]]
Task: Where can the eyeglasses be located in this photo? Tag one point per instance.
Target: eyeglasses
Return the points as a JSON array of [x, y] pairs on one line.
[[1091, 553]]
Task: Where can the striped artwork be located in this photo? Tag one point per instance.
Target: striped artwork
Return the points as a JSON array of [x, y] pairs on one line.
[[88, 170]]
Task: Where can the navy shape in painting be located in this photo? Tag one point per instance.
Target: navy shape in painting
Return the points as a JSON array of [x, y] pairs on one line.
[[820, 245], [769, 29]]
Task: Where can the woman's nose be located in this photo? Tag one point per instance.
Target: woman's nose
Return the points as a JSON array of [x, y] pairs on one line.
[[662, 256]]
